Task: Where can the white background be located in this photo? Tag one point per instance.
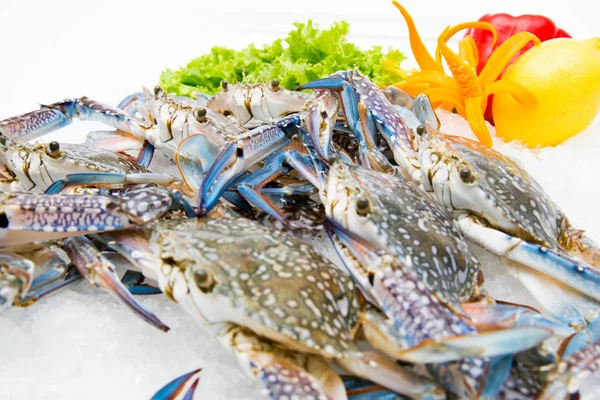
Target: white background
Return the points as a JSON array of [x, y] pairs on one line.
[[108, 49]]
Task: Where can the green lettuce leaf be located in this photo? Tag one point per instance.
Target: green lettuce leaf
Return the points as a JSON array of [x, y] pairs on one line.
[[306, 54]]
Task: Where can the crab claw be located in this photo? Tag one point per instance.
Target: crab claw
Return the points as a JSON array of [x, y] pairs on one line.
[[398, 97], [218, 178], [319, 118], [195, 154], [359, 120], [16, 275], [284, 373], [101, 272], [236, 157], [423, 110], [175, 390]]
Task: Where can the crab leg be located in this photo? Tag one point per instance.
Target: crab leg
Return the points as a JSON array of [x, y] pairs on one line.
[[101, 272], [362, 389], [571, 373], [251, 188], [117, 141], [108, 178], [48, 259], [558, 265], [58, 276], [383, 371], [237, 157], [71, 277], [494, 316], [132, 244], [132, 103], [134, 282], [282, 372], [16, 275], [57, 115], [176, 389], [58, 216]]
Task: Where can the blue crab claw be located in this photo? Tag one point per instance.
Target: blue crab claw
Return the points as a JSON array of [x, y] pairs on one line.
[[319, 132], [128, 103], [101, 272], [181, 388], [409, 118], [134, 281], [581, 340], [502, 316], [398, 97], [236, 157], [213, 184], [423, 110], [195, 155], [146, 154], [359, 119], [54, 116]]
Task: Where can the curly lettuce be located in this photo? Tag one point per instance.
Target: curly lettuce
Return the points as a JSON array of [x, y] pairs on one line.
[[306, 54]]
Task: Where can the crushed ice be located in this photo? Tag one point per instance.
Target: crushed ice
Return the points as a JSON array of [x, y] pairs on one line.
[[82, 343]]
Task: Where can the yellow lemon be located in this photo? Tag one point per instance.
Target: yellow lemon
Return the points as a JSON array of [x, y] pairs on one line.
[[564, 76]]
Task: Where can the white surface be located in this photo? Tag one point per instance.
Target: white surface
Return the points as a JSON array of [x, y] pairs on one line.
[[82, 343]]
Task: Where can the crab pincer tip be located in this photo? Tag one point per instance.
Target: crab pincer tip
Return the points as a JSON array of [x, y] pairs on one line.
[[175, 390]]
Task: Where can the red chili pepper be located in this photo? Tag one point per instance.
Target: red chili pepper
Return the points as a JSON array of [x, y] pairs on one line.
[[506, 26]]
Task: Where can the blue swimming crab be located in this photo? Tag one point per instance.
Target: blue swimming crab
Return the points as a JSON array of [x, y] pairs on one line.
[[277, 305], [414, 265], [29, 220], [256, 104], [37, 168], [159, 120], [495, 202]]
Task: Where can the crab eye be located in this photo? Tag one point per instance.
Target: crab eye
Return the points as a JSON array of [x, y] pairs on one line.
[[157, 90], [52, 148], [362, 206], [465, 174], [204, 280], [275, 83], [227, 113], [200, 115], [224, 85], [2, 140], [420, 130], [3, 220]]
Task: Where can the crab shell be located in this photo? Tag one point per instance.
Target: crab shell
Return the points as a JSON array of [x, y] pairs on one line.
[[256, 104], [33, 166], [396, 216], [468, 177], [237, 271]]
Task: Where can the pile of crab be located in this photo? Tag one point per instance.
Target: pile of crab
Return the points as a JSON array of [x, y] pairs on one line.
[[207, 200]]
